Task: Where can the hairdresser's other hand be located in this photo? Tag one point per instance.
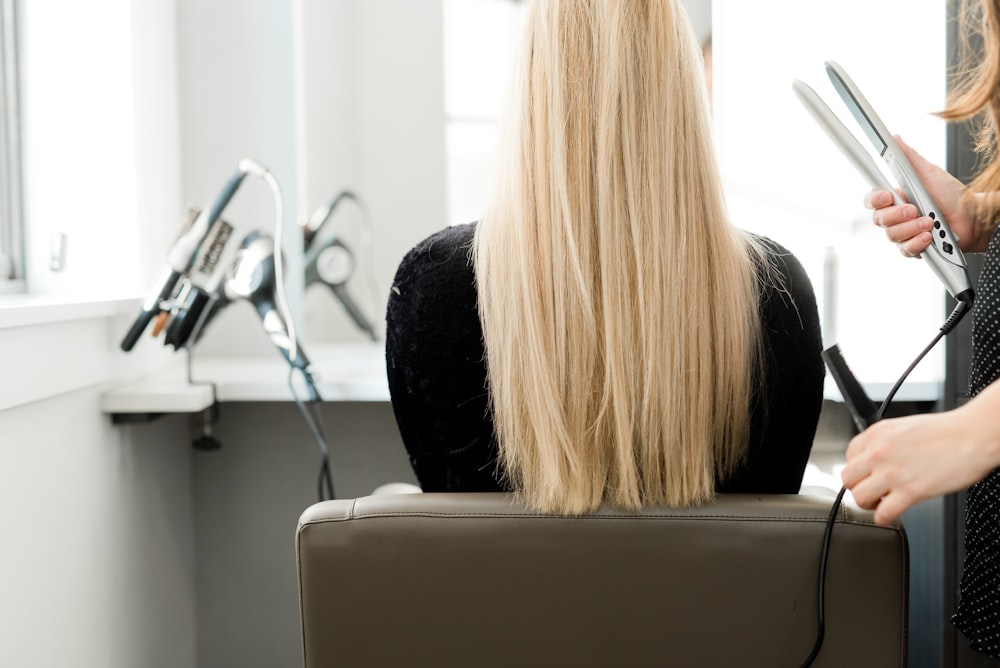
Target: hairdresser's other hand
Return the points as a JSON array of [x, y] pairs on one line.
[[912, 234], [897, 463]]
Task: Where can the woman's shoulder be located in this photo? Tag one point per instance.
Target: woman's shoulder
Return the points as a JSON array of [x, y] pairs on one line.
[[435, 280], [444, 255], [773, 250], [445, 252], [782, 271], [788, 299], [443, 244]]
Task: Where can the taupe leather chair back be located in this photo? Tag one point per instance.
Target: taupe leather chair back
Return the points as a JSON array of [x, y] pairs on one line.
[[475, 580]]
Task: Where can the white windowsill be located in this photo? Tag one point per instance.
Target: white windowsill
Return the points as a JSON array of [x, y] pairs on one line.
[[51, 345], [27, 310]]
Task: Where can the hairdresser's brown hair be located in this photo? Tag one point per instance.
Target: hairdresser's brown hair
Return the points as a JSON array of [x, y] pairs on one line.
[[619, 306]]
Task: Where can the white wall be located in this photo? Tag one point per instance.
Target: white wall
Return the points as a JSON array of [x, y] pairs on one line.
[[96, 567], [700, 13], [97, 561]]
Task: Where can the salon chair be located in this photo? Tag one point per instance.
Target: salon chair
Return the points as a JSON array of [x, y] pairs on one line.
[[476, 580]]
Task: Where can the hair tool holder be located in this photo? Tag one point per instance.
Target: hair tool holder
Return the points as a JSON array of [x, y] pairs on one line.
[[329, 261], [205, 271]]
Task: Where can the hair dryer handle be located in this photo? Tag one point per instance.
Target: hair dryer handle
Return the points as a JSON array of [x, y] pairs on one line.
[[345, 299], [277, 331]]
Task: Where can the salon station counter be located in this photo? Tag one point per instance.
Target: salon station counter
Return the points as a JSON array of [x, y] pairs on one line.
[[342, 372]]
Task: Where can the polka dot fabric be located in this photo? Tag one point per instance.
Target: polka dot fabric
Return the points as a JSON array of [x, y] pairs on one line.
[[986, 322], [978, 615]]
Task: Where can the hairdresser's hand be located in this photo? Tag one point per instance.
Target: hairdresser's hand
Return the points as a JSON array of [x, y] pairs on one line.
[[912, 234], [897, 463]]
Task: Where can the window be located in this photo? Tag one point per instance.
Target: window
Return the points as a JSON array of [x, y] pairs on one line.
[[785, 179], [480, 40], [11, 207]]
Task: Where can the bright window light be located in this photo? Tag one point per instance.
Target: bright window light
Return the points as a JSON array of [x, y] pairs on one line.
[[80, 168], [785, 179], [480, 40]]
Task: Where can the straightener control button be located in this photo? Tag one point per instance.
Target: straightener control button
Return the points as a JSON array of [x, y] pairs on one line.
[[931, 214], [947, 248], [937, 224], [942, 234]]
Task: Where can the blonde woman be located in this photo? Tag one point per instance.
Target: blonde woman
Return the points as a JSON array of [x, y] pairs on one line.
[[604, 334]]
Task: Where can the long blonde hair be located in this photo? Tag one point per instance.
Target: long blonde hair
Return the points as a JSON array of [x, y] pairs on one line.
[[977, 96], [619, 306]]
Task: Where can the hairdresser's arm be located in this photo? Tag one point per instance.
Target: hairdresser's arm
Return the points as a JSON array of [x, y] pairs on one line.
[[912, 234], [897, 463]]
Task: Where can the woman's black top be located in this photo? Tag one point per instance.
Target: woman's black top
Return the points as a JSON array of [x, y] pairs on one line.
[[978, 615], [437, 373]]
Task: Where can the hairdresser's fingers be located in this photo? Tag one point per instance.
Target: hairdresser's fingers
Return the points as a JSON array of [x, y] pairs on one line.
[[856, 470], [905, 230], [857, 446], [879, 199], [892, 505], [892, 216], [869, 491], [915, 246]]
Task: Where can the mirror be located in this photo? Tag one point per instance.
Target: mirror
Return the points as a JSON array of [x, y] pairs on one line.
[[330, 96], [392, 100], [397, 102]]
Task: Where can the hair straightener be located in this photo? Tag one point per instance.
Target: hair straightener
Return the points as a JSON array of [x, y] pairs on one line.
[[943, 255]]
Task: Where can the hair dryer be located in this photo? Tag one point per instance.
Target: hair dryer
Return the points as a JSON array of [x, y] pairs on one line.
[[329, 261], [252, 278], [192, 259], [333, 264]]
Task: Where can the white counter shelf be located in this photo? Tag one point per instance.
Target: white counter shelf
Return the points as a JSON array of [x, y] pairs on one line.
[[343, 372]]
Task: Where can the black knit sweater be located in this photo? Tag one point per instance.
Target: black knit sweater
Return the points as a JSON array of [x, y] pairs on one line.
[[437, 374]]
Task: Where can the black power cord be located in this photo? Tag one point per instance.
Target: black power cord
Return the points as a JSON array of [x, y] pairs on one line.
[[861, 411], [314, 420]]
